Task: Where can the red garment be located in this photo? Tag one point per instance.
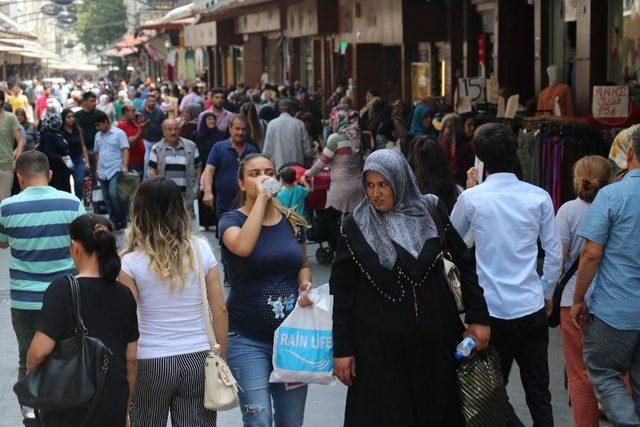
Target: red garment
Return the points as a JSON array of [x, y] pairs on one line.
[[41, 105], [583, 399], [546, 99], [136, 149], [207, 104]]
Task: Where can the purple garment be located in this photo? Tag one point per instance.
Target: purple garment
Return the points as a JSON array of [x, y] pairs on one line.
[[223, 118]]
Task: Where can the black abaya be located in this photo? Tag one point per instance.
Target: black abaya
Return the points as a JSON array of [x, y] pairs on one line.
[[403, 344]]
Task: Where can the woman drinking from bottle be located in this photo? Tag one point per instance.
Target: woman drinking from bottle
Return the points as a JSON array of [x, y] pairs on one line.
[[262, 244]]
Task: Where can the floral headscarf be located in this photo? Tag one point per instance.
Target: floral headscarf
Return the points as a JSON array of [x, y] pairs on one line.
[[52, 122]]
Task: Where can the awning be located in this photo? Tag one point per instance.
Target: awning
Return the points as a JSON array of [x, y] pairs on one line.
[[226, 9], [14, 30], [120, 53], [27, 48], [131, 40], [175, 19], [159, 24]]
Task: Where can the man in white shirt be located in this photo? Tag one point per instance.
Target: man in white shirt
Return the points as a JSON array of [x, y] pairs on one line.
[[507, 217], [287, 140]]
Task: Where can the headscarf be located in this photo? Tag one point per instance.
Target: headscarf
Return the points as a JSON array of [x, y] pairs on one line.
[[408, 223], [51, 122], [104, 99], [209, 135], [417, 129], [194, 109], [620, 146]]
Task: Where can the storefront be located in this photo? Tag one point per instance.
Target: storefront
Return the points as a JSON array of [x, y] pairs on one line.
[[309, 22]]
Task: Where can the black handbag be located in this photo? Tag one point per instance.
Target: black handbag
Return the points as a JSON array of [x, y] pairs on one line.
[[483, 395], [72, 376], [554, 318]]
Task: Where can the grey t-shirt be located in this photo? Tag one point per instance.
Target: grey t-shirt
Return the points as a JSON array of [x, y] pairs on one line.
[[568, 218], [8, 125]]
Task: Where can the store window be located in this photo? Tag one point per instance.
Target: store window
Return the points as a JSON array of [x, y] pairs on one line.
[[624, 41]]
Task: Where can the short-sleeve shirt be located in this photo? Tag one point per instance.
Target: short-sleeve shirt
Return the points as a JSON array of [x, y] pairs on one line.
[[35, 225], [569, 218], [264, 285], [109, 313], [226, 159], [613, 221], [8, 125], [109, 146], [86, 122], [293, 198], [136, 152], [171, 321], [176, 163]]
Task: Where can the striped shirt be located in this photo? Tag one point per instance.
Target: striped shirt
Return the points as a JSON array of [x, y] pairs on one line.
[[35, 225], [176, 163]]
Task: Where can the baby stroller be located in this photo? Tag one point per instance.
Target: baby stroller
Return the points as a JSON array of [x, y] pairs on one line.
[[320, 232]]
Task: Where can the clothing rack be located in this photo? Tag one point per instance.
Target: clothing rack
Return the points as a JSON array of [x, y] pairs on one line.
[[548, 149]]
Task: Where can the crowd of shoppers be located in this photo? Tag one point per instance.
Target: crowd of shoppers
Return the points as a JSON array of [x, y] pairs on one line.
[[395, 326]]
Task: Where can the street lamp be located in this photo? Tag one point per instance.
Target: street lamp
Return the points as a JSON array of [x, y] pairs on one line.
[[65, 17], [51, 9]]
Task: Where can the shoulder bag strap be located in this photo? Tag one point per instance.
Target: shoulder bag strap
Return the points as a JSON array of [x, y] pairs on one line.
[[435, 215], [80, 328], [206, 310]]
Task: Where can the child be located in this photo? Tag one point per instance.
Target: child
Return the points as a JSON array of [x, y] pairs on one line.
[[293, 196]]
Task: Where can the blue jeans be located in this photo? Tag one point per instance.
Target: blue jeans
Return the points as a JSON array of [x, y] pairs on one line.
[[116, 208], [78, 176], [250, 363], [609, 353]]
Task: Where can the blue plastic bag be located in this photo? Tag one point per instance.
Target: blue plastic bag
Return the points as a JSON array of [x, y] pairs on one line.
[[303, 344]]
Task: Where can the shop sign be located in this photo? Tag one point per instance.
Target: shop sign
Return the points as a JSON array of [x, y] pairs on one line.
[[610, 102], [200, 35], [472, 88]]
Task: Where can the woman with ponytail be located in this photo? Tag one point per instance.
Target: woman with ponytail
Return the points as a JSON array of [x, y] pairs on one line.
[[109, 313], [590, 174], [263, 247]]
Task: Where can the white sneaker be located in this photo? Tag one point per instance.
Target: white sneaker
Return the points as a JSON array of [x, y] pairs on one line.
[[28, 413]]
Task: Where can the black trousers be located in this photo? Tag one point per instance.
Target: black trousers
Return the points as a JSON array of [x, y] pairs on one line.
[[526, 340]]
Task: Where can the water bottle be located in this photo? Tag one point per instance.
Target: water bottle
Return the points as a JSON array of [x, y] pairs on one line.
[[465, 348], [272, 186], [68, 162]]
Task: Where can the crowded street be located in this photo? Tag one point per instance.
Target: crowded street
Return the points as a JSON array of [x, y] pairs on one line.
[[325, 403], [285, 213]]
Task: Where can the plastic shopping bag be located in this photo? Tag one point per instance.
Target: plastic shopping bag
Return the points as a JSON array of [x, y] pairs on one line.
[[303, 343]]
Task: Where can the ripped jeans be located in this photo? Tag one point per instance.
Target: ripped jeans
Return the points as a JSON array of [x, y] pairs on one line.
[[250, 363]]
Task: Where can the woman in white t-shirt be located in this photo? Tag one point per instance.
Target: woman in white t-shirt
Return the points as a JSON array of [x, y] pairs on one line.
[[159, 266], [590, 174]]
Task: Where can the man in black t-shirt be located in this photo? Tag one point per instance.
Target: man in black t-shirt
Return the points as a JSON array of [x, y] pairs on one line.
[[84, 119]]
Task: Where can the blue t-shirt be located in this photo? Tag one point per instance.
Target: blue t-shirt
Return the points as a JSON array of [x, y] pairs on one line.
[[264, 285], [225, 159], [613, 221], [293, 197]]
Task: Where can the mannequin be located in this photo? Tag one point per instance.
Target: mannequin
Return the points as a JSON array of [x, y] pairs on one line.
[[556, 98]]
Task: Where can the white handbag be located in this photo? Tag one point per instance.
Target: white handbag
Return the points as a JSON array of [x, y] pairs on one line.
[[220, 387]]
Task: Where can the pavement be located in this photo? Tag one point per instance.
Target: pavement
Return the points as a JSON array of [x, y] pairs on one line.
[[325, 404]]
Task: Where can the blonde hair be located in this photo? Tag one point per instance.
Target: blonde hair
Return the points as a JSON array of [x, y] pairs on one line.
[[590, 174], [161, 228], [295, 220]]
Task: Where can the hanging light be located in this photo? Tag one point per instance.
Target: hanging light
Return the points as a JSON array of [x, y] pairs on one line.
[[51, 9], [64, 26], [65, 17], [69, 44], [62, 2]]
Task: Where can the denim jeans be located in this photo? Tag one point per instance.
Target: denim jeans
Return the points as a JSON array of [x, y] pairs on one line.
[[116, 208], [78, 176], [609, 354], [250, 363], [148, 145], [24, 326]]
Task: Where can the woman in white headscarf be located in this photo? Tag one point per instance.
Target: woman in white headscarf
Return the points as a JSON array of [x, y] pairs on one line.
[[106, 105], [395, 321]]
